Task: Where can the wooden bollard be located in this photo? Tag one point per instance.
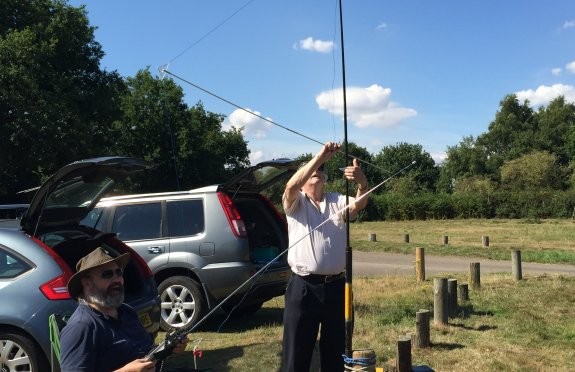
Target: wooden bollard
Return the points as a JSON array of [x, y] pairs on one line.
[[445, 239], [406, 238], [440, 301], [516, 265], [420, 264], [485, 241], [463, 292], [372, 238], [403, 362], [475, 275], [421, 338], [452, 297]]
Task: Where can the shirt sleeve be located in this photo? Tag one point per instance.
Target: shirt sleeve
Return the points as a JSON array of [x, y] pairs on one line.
[[290, 211], [77, 348]]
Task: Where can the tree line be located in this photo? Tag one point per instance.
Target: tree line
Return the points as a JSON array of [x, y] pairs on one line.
[[58, 106]]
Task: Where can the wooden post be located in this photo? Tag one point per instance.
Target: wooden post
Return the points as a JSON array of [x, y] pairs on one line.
[[420, 264], [403, 363], [445, 239], [463, 292], [452, 297], [516, 265], [421, 338], [406, 238], [475, 275], [485, 241], [372, 238], [440, 301]]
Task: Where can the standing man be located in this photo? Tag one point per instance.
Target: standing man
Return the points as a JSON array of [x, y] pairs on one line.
[[316, 291], [103, 333]]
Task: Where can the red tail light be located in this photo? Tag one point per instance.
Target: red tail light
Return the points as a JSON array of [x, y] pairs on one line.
[[56, 288], [234, 218]]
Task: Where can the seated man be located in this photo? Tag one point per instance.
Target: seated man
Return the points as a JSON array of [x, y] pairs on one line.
[[103, 333]]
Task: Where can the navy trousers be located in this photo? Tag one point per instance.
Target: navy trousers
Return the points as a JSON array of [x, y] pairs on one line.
[[308, 305]]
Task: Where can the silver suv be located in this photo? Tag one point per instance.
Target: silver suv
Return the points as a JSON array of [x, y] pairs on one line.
[[203, 244]]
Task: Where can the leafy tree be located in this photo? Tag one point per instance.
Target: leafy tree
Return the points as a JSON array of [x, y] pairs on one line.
[[56, 105], [571, 175], [534, 171], [556, 126], [464, 160], [424, 172], [475, 184], [186, 145], [510, 135]]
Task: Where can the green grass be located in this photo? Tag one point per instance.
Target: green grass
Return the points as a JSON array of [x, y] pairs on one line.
[[544, 241], [507, 325]]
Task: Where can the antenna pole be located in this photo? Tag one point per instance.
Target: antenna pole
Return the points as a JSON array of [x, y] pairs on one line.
[[348, 252]]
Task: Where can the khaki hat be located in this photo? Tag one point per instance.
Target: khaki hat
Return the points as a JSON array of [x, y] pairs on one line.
[[96, 258]]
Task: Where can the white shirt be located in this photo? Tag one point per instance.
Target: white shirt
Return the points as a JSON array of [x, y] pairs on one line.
[[313, 249]]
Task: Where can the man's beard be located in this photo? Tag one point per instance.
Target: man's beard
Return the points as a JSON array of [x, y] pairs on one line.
[[111, 297]]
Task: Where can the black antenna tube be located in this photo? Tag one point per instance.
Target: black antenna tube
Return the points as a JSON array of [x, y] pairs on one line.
[[348, 252]]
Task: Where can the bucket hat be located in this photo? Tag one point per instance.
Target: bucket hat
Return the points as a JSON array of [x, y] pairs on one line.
[[96, 258]]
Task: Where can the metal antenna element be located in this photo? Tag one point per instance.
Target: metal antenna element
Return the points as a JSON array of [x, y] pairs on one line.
[[164, 71], [348, 254]]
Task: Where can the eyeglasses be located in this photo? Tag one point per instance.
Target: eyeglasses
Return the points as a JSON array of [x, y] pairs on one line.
[[109, 274], [320, 169]]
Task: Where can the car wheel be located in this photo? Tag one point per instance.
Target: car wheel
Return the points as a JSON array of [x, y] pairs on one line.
[[181, 302], [19, 353]]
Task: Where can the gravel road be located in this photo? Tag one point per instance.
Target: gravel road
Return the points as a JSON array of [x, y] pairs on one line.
[[373, 264]]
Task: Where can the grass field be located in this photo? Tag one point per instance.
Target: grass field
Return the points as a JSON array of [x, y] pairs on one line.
[[545, 241], [507, 325]]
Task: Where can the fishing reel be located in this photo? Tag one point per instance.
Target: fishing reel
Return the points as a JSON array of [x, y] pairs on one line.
[[165, 348]]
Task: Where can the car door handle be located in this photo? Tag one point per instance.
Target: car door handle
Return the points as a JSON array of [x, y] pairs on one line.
[[156, 250]]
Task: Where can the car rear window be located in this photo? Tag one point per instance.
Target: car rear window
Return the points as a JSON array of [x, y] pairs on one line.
[[185, 217], [11, 266]]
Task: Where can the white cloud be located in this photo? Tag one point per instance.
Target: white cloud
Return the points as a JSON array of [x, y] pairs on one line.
[[256, 157], [381, 26], [569, 24], [556, 71], [316, 45], [571, 67], [545, 94], [439, 157], [366, 107], [253, 126]]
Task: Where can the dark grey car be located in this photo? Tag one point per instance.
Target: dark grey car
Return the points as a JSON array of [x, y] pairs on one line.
[[37, 259], [203, 244]]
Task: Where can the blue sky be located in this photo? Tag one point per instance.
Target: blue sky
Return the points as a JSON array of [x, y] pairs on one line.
[[420, 72]]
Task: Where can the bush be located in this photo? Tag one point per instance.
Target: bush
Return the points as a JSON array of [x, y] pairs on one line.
[[502, 204]]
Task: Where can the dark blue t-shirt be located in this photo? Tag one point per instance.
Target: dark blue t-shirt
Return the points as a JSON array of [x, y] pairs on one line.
[[92, 341]]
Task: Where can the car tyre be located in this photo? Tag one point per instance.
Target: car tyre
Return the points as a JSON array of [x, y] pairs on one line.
[[19, 353], [181, 302]]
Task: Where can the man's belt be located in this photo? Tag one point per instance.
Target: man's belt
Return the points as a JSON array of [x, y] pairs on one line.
[[320, 279]]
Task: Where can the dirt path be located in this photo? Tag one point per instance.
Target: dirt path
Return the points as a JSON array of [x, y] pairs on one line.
[[373, 264]]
